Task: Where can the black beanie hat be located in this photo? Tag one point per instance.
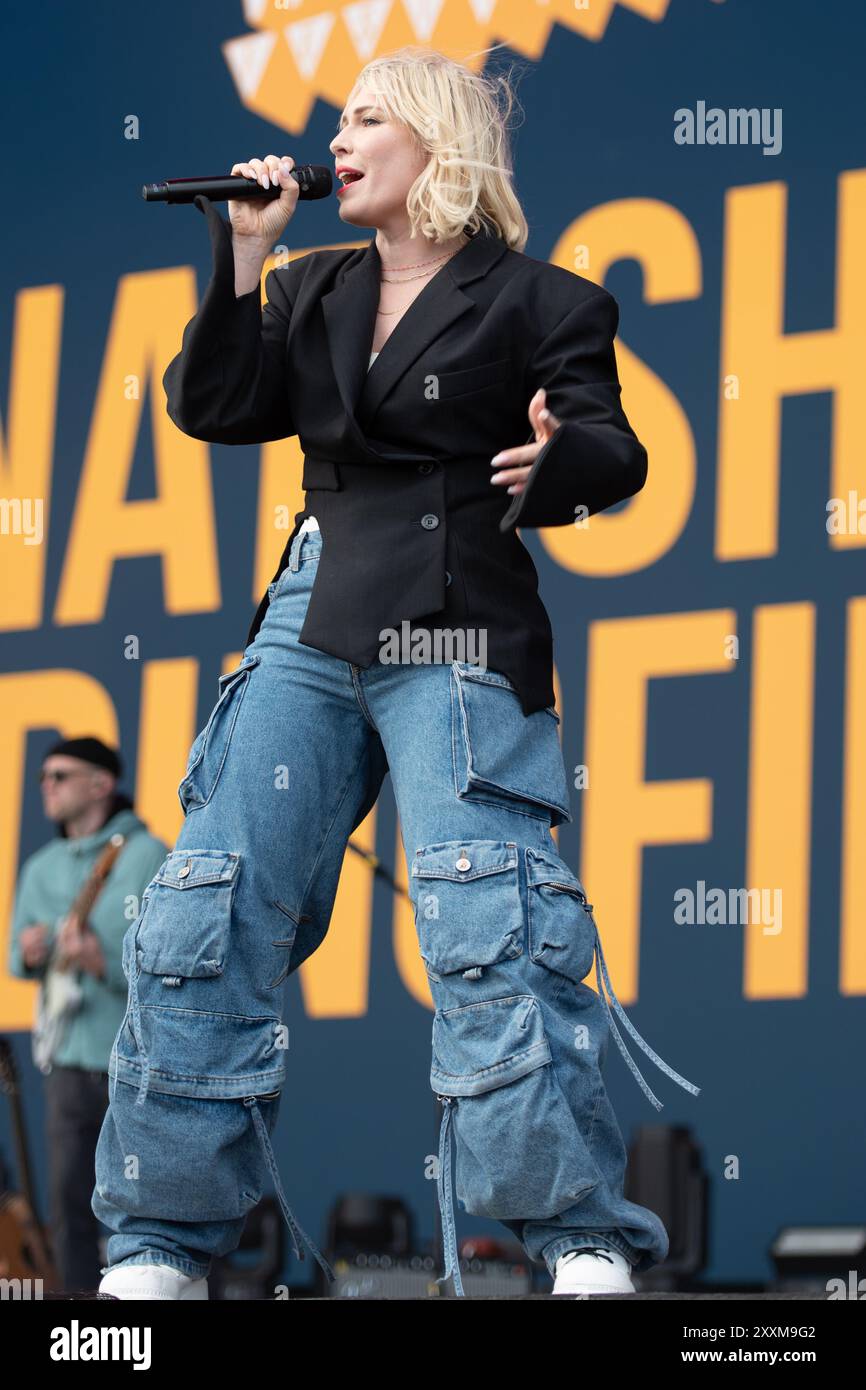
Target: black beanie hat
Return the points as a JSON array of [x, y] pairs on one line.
[[92, 750]]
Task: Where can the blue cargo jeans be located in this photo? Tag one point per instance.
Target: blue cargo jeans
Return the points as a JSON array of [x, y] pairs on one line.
[[290, 761]]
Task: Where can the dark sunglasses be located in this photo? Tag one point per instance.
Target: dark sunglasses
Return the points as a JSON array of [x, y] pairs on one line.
[[60, 775]]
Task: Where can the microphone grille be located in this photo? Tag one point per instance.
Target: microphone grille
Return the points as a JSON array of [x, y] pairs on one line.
[[315, 180]]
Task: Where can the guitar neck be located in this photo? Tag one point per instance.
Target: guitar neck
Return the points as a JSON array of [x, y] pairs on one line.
[[89, 892], [91, 889]]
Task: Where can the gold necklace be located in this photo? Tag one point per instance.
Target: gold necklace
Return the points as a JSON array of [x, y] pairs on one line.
[[389, 313], [420, 263]]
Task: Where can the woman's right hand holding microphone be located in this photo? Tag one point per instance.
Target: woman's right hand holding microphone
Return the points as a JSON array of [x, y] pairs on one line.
[[258, 222]]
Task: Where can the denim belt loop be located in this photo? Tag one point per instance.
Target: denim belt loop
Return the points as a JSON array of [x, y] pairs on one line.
[[296, 1230], [663, 1066], [295, 552]]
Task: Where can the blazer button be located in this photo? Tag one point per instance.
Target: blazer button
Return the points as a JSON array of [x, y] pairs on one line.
[[447, 578], [426, 467], [429, 521]]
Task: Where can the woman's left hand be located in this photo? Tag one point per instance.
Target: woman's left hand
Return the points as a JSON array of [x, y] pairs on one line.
[[544, 423]]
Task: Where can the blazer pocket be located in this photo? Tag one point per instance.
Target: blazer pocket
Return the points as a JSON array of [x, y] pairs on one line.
[[472, 378]]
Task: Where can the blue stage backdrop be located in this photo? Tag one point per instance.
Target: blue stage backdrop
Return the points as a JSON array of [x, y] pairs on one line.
[[710, 632]]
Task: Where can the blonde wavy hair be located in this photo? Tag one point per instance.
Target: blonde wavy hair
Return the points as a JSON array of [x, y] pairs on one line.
[[455, 117]]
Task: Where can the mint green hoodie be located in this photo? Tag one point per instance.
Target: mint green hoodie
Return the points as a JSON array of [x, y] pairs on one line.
[[48, 884]]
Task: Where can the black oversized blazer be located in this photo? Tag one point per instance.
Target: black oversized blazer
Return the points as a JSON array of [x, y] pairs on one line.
[[397, 458]]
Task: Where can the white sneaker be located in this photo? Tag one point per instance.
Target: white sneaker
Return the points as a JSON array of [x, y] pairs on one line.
[[151, 1282], [594, 1269]]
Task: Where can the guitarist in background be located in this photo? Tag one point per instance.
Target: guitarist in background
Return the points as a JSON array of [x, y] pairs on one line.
[[79, 793]]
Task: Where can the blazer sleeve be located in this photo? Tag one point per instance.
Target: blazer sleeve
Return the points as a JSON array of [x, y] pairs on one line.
[[594, 458], [227, 385]]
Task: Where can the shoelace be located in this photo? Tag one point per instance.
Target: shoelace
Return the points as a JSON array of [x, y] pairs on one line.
[[445, 1178], [600, 1250]]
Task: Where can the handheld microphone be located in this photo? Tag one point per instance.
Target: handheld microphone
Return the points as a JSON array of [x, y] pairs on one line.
[[314, 179]]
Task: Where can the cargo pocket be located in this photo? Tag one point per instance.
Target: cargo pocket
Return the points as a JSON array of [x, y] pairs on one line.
[[209, 748], [519, 1152], [175, 1030], [467, 905], [500, 752], [561, 931], [196, 1160], [202, 1054], [185, 923]]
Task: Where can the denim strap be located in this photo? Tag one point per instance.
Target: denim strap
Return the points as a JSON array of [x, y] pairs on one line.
[[663, 1066], [261, 1129], [446, 1208]]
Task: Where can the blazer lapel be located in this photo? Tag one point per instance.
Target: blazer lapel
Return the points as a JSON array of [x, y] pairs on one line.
[[350, 317]]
